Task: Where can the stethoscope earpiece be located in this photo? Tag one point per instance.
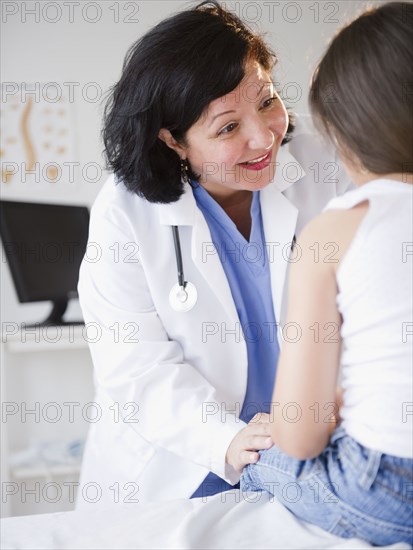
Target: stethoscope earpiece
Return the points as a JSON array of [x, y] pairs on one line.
[[183, 295]]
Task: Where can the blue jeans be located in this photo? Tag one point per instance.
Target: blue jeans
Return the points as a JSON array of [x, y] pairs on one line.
[[349, 490]]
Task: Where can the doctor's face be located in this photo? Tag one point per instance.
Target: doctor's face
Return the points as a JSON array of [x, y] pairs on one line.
[[234, 145]]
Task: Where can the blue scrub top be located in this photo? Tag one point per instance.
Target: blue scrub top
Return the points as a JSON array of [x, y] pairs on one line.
[[246, 266]]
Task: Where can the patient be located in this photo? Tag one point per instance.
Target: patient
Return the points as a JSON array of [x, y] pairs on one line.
[[351, 297]]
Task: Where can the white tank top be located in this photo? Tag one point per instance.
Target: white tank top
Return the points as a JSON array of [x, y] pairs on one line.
[[375, 299]]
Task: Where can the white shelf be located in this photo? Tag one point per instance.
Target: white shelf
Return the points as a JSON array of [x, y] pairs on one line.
[[42, 366], [45, 471], [45, 338]]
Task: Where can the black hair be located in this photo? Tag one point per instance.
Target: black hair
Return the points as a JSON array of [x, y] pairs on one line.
[[169, 78], [361, 92]]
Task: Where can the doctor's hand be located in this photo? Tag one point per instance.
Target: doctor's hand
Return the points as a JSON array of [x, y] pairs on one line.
[[254, 437]]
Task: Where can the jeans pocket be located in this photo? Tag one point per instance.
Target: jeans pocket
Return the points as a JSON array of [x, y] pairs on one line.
[[360, 462], [396, 475]]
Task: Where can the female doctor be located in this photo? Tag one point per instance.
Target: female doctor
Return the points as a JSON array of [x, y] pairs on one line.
[[194, 232]]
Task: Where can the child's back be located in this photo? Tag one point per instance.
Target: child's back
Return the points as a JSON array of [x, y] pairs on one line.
[[375, 297]]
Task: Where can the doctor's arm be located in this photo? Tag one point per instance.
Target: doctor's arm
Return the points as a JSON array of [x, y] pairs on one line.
[[304, 400], [137, 363]]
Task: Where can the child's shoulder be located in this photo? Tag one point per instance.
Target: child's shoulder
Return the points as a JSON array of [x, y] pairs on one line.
[[335, 220], [334, 229]]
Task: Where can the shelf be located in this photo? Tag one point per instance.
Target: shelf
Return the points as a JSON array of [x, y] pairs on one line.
[[40, 365], [44, 471], [43, 338]]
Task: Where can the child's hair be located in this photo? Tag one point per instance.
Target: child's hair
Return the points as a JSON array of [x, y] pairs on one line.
[[362, 91]]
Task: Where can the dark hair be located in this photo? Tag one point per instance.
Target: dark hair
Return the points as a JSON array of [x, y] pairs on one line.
[[361, 92], [169, 78]]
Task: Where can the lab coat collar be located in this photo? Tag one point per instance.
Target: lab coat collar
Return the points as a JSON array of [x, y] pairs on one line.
[[182, 212], [288, 170]]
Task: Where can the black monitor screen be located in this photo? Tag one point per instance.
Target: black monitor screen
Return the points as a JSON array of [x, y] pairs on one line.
[[44, 245]]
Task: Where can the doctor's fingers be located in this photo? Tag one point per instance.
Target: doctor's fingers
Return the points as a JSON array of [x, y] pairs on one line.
[[248, 451], [243, 448], [256, 443], [249, 454], [255, 436]]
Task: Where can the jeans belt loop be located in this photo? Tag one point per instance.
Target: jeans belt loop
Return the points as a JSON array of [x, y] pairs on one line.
[[372, 467]]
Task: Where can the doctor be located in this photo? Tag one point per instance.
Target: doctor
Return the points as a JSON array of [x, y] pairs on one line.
[[193, 237]]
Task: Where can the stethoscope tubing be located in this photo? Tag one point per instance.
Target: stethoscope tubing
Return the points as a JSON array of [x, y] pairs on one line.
[[178, 256], [183, 295]]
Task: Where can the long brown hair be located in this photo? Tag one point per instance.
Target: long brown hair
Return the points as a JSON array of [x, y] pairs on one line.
[[362, 91]]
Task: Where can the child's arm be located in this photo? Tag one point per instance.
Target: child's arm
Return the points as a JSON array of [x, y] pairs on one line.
[[305, 393]]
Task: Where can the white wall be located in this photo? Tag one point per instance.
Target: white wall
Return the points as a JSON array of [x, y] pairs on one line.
[[82, 42]]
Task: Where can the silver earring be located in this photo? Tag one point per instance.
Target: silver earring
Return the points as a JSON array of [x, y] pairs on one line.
[[184, 171]]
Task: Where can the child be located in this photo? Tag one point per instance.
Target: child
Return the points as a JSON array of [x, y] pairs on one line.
[[351, 297]]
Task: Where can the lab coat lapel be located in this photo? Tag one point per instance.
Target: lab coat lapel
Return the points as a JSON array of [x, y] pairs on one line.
[[279, 217], [204, 255], [207, 260]]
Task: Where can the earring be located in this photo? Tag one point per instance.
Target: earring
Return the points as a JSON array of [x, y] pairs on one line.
[[184, 171]]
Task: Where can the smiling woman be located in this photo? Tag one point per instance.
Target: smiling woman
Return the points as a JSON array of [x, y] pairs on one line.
[[191, 103], [241, 133], [206, 179]]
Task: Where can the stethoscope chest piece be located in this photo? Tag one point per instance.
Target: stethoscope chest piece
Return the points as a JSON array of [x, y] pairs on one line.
[[183, 298]]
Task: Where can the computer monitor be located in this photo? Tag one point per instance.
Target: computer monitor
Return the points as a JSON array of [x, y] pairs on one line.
[[44, 245]]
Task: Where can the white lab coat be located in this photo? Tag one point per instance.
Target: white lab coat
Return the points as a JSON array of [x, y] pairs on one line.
[[170, 385]]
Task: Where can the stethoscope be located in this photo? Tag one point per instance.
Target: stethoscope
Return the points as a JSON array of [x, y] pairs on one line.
[[183, 295]]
